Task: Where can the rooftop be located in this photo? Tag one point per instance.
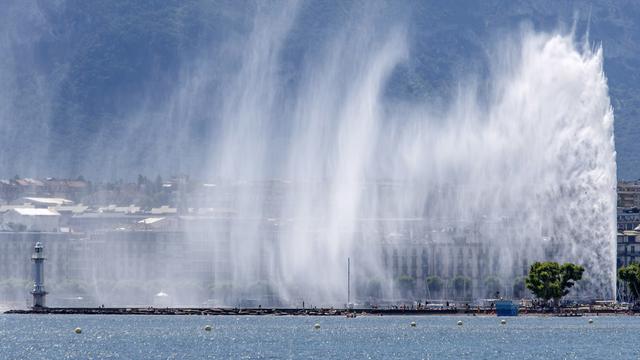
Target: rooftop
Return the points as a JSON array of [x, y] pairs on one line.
[[36, 212], [5, 208], [164, 209], [151, 220], [75, 209], [49, 201]]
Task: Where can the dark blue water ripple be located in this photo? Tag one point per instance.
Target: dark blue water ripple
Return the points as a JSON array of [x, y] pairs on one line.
[[435, 337]]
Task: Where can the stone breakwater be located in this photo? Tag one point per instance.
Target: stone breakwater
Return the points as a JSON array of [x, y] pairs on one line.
[[231, 311], [308, 312]]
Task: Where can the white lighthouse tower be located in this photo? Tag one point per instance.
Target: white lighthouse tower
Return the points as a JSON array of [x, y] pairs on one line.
[[38, 291]]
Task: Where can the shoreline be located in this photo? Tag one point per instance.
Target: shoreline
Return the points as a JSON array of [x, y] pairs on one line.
[[567, 312]]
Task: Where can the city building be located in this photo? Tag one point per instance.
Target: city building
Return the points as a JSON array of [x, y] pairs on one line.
[[628, 219], [628, 247], [629, 194], [131, 249], [32, 219]]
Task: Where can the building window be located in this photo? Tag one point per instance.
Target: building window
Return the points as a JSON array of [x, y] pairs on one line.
[[405, 270], [425, 264], [414, 264], [494, 261], [395, 262], [460, 263], [451, 263]]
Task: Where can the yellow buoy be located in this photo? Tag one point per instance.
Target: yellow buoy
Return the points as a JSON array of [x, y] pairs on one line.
[[459, 322], [207, 328], [77, 330], [316, 326]]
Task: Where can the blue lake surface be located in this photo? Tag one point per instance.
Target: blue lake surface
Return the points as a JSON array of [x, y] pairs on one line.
[[288, 337]]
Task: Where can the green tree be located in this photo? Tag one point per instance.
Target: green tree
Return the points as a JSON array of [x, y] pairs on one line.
[[462, 287], [551, 281], [71, 287], [518, 288], [158, 184], [492, 286], [434, 286], [406, 284], [631, 275], [373, 289]]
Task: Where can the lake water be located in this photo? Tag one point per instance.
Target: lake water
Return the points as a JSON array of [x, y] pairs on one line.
[[288, 337]]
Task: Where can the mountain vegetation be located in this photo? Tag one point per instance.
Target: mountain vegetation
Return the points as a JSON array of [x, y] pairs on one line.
[[99, 62]]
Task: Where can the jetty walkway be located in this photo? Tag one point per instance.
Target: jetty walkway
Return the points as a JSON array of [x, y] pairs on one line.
[[306, 311]]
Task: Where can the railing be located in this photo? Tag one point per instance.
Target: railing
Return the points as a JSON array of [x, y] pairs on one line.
[[629, 253]]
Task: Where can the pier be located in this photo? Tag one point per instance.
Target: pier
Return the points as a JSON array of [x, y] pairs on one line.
[[564, 312]]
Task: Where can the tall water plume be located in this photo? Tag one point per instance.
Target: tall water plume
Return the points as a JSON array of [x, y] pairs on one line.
[[521, 163], [310, 159]]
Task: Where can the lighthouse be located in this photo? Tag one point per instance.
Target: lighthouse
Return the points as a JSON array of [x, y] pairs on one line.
[[38, 291]]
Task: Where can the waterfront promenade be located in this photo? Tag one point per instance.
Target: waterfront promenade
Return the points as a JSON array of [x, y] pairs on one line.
[[580, 311]]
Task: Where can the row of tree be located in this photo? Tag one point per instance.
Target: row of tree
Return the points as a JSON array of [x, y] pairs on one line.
[[548, 281], [457, 288], [630, 274]]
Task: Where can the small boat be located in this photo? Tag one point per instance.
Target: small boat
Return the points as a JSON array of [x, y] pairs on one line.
[[506, 308]]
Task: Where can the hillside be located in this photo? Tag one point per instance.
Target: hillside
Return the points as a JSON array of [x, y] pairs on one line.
[[79, 78]]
